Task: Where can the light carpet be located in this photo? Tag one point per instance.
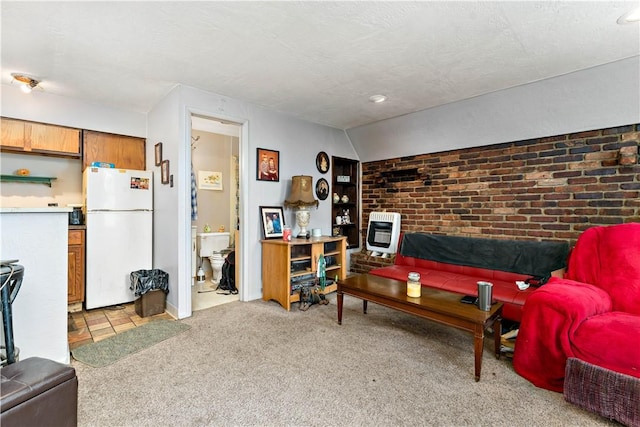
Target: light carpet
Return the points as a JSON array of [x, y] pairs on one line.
[[109, 350], [255, 364]]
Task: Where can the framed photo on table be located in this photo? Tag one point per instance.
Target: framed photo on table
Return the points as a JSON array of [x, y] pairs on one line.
[[272, 221]]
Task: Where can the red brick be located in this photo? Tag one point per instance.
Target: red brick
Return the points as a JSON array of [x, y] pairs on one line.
[[524, 189]]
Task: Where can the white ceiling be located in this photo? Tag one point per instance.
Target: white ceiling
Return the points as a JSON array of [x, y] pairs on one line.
[[318, 61]]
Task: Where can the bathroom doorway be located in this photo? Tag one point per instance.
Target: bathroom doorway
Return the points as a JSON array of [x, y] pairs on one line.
[[215, 155]]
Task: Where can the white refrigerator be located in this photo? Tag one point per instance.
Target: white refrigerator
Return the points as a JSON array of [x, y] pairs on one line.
[[119, 238]]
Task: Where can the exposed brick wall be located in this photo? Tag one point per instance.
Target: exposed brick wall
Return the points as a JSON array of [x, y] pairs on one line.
[[541, 189], [362, 262]]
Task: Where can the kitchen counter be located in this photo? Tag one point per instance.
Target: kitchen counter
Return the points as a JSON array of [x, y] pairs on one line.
[[77, 227], [46, 209], [37, 238]]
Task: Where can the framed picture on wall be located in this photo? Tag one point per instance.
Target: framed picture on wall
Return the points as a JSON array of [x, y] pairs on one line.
[[272, 221], [322, 189], [158, 152], [322, 162], [208, 180], [268, 165], [164, 172]]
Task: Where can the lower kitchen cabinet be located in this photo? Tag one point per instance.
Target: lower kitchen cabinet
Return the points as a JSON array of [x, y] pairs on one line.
[[286, 265], [76, 263]]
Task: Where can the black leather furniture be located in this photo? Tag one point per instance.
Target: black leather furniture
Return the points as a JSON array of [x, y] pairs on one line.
[[38, 392]]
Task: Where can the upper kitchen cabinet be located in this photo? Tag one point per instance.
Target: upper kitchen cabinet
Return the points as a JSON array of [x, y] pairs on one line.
[[125, 152], [38, 138]]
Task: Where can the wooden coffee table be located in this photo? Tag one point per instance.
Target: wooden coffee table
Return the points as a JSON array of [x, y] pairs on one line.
[[437, 305]]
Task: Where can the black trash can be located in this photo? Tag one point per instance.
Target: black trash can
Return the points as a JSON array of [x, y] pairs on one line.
[[152, 286]]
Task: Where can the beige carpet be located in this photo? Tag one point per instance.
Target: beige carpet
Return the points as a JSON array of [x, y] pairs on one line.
[[254, 364]]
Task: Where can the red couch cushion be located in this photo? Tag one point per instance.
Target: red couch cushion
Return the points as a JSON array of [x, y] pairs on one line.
[[610, 340]]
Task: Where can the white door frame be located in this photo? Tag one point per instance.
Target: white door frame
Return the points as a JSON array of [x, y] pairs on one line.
[[243, 170]]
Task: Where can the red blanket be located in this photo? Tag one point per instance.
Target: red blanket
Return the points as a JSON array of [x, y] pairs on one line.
[[603, 278]]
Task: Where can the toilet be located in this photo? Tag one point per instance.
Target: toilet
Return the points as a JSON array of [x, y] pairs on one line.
[[214, 246]]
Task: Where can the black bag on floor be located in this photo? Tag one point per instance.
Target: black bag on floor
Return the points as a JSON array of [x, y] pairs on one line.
[[228, 279]]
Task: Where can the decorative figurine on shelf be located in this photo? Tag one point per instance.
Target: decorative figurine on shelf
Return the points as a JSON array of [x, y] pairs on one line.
[[207, 229], [346, 219], [345, 199], [221, 228], [336, 198]]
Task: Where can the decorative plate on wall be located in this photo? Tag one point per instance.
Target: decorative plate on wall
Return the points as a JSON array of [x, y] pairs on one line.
[[322, 162], [322, 189]]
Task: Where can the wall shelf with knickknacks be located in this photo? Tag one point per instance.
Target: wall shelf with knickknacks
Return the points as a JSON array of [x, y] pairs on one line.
[[345, 207]]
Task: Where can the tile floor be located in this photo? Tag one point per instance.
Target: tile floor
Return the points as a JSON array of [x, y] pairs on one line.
[[94, 325], [85, 327]]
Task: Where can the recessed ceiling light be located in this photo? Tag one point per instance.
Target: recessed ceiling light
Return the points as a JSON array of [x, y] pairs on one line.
[[629, 17], [377, 98]]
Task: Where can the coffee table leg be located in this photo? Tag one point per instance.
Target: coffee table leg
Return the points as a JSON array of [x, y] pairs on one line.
[[497, 334], [339, 298], [364, 306], [478, 348]]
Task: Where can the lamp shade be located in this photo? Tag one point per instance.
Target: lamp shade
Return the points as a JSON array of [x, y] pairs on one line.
[[301, 192]]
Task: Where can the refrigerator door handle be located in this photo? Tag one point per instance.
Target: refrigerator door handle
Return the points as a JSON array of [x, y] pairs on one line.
[[119, 210]]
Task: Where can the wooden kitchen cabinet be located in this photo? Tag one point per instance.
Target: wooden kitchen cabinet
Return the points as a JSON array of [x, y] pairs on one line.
[[125, 152], [76, 266], [12, 133], [38, 138], [287, 264]]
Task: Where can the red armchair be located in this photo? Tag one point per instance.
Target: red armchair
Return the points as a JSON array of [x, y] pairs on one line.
[[592, 314]]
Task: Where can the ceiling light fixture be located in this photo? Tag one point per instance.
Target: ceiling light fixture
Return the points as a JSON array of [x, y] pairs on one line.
[[28, 83], [629, 17], [377, 98]]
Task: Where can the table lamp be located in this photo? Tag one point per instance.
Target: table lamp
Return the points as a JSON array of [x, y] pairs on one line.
[[301, 198]]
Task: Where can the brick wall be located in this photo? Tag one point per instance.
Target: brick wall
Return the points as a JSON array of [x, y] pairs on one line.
[[541, 189]]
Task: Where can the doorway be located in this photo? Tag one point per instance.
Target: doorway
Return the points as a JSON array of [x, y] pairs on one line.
[[215, 207]]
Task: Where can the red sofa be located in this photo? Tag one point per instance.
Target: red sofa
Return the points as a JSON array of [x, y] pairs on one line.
[[456, 264], [592, 314]]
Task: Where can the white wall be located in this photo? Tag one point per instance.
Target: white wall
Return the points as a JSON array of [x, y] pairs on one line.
[[600, 97], [66, 189], [164, 124], [39, 106], [298, 142]]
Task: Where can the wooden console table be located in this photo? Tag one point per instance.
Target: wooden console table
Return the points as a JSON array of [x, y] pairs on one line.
[[285, 263]]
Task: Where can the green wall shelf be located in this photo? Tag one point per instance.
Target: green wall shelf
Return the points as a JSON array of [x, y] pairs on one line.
[[46, 180]]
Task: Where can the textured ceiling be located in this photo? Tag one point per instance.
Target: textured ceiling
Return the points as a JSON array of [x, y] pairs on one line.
[[319, 61]]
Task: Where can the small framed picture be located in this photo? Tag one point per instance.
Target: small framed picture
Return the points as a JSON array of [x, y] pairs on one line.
[[208, 180], [164, 172], [272, 221], [322, 189], [268, 168], [158, 152], [322, 162]]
